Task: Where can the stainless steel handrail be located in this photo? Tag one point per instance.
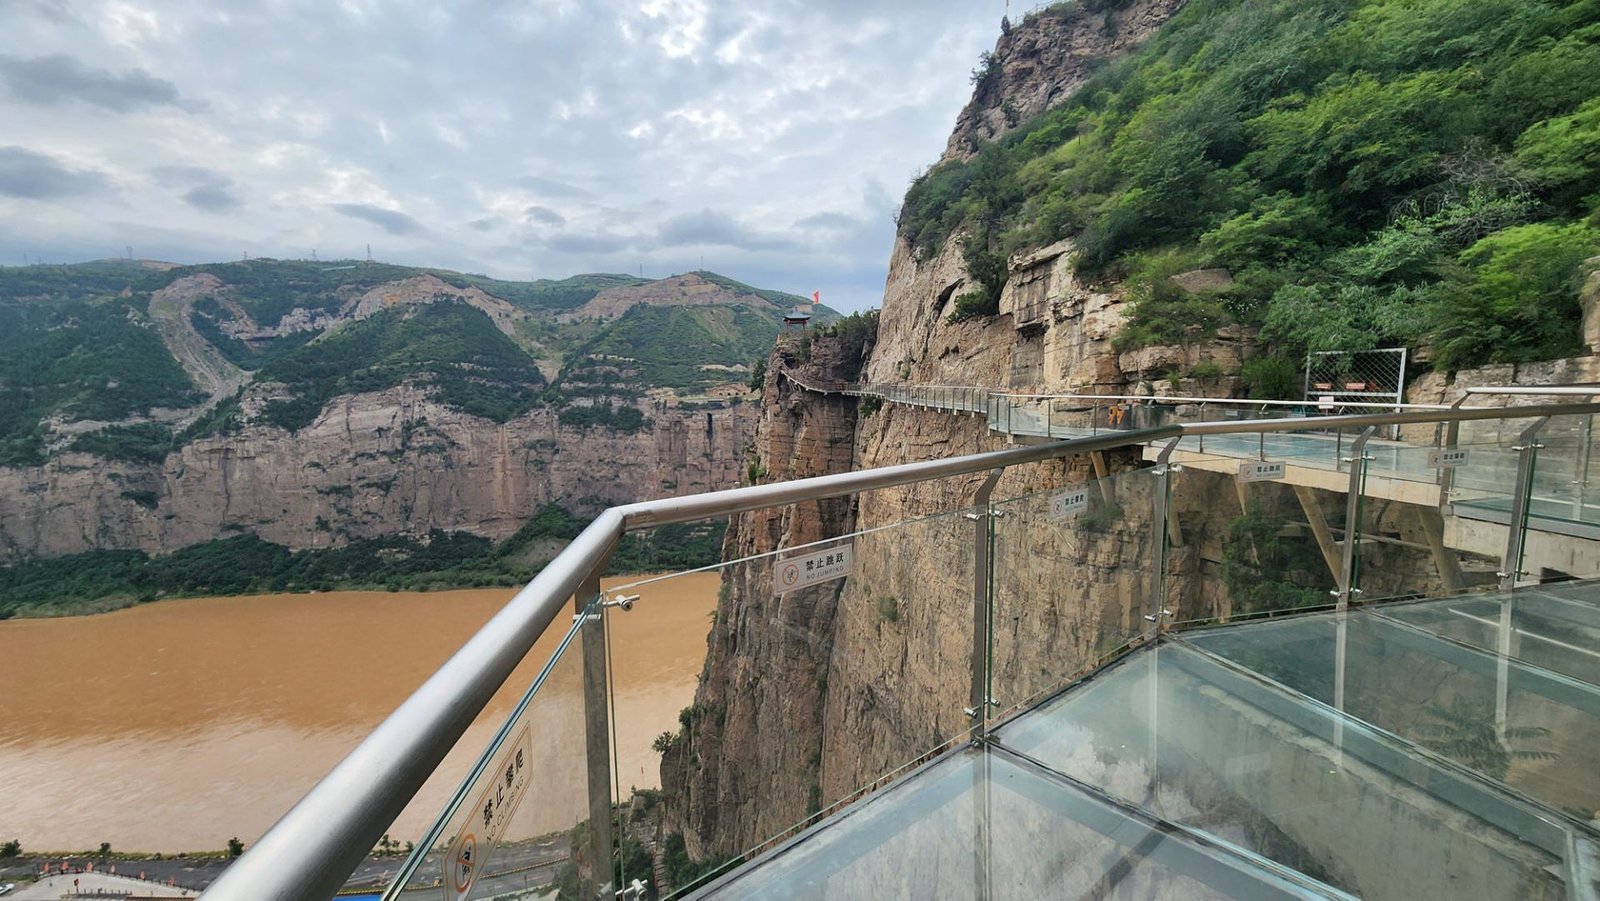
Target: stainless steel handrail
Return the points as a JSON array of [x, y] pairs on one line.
[[311, 851], [880, 389]]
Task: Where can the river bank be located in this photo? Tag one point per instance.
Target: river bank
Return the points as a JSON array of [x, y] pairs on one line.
[[105, 580]]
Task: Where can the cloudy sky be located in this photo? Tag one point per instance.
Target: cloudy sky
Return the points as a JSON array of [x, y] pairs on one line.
[[518, 138]]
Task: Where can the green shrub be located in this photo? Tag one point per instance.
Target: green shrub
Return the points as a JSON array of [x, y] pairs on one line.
[[888, 609], [1272, 378], [1515, 296], [1337, 157], [148, 442]]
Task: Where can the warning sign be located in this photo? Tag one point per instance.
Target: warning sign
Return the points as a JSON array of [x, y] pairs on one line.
[[1261, 471], [487, 819], [803, 572], [1068, 504], [1447, 458]]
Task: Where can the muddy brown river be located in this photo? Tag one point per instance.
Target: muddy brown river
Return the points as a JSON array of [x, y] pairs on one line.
[[176, 725]]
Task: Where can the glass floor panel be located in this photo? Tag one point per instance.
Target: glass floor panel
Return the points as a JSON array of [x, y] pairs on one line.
[[1202, 744], [985, 824], [1536, 731], [1546, 631]]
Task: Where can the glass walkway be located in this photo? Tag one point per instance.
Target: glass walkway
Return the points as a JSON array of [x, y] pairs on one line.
[[1210, 677], [1437, 749]]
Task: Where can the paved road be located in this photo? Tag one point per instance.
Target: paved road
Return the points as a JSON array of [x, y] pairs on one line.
[[86, 884]]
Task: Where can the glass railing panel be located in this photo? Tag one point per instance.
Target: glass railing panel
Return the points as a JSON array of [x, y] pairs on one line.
[[656, 649], [1073, 574], [520, 821], [1199, 743], [1250, 537], [986, 825], [1565, 487], [850, 657], [1536, 731], [1411, 545]]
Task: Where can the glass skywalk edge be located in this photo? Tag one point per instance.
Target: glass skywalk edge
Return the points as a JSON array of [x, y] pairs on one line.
[[1196, 742], [1546, 631], [1534, 730], [969, 826]]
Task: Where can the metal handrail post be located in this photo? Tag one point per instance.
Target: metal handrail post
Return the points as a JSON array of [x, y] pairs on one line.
[[1158, 539], [596, 730], [1447, 477], [979, 701], [1581, 476], [1527, 448], [1348, 559]]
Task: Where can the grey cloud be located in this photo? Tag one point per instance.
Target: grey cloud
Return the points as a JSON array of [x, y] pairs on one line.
[[828, 221], [603, 242], [483, 225], [54, 10], [206, 190], [544, 215], [709, 227], [214, 198], [36, 176], [57, 79], [546, 187], [392, 221]]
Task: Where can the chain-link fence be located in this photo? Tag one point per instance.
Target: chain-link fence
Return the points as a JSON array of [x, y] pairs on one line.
[[1337, 378]]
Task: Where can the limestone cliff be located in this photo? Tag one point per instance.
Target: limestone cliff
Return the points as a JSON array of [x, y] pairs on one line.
[[811, 697], [370, 464], [313, 404], [1041, 61]]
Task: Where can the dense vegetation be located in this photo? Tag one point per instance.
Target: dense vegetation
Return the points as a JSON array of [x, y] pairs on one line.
[[781, 298], [472, 366], [77, 343], [246, 564], [856, 333], [668, 347], [551, 295], [268, 289], [1372, 172], [76, 281], [82, 359]]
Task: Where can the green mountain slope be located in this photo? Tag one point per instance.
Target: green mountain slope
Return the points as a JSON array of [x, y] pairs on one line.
[[684, 348], [78, 343], [1371, 171], [448, 345], [79, 359]]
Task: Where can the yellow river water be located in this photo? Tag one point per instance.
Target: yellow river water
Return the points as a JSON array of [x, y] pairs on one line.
[[176, 725]]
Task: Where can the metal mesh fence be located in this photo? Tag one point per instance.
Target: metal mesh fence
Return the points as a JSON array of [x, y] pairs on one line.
[[1336, 377]]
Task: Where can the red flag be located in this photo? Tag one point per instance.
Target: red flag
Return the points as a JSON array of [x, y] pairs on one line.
[[816, 297]]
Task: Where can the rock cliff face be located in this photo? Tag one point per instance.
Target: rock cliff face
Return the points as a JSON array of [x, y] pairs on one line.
[[808, 697], [813, 696], [1041, 61], [368, 463], [768, 656]]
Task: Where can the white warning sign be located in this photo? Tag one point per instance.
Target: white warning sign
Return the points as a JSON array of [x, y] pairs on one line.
[[1068, 504], [1447, 458], [812, 569], [1261, 471], [487, 819]]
